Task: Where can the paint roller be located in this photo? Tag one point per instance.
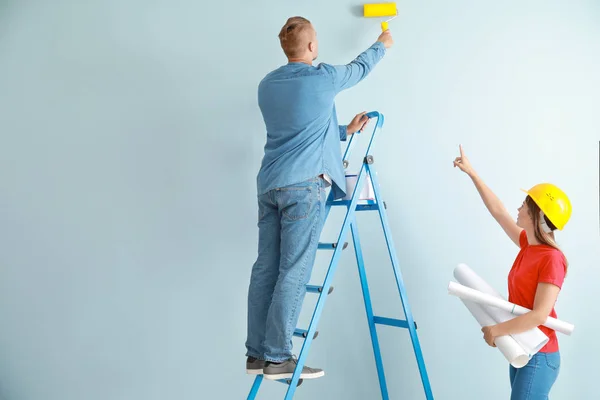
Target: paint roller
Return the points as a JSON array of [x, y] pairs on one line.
[[378, 10]]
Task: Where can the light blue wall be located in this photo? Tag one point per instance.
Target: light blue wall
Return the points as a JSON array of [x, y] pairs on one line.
[[130, 141]]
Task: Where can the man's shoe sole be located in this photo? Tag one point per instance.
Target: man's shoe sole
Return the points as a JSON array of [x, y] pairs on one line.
[[258, 371], [312, 375]]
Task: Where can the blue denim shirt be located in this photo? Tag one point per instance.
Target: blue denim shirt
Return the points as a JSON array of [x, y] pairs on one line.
[[303, 136]]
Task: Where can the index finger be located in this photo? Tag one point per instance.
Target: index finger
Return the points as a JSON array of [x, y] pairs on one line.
[[462, 154]]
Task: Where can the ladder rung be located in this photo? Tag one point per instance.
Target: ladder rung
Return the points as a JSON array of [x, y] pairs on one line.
[[339, 203], [359, 207], [400, 323], [331, 246], [317, 289], [303, 333], [367, 207]]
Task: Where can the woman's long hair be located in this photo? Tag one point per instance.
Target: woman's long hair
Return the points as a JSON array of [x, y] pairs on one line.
[[542, 236]]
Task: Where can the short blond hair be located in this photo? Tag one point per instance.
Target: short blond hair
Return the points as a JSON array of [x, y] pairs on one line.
[[293, 36]]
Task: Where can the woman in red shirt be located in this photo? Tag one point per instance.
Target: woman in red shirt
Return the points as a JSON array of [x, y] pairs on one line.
[[535, 278]]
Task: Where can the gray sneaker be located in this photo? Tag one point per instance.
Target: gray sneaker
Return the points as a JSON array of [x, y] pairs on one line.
[[285, 370], [254, 366]]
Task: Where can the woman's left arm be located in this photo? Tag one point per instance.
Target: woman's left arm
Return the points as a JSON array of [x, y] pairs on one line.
[[545, 298]]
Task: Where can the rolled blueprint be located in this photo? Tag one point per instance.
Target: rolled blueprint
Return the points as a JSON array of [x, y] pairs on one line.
[[485, 299], [532, 340], [508, 346], [469, 278]]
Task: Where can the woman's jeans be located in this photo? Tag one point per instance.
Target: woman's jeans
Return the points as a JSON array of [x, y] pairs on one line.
[[290, 220], [534, 380]]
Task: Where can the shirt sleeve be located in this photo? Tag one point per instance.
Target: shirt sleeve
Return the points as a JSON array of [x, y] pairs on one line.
[[343, 132], [523, 239], [553, 269], [348, 75]]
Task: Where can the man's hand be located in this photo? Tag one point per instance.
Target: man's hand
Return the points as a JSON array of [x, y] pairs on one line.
[[358, 123], [386, 39]]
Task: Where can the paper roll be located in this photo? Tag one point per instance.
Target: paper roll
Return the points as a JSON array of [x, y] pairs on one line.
[[532, 340], [466, 276], [508, 346], [485, 299]]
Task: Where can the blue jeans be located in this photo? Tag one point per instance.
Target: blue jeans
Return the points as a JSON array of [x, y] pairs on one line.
[[290, 220], [534, 380]]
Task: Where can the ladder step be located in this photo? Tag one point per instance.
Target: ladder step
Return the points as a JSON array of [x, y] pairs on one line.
[[331, 246], [359, 207], [339, 203], [400, 323], [303, 333], [317, 289], [367, 207]]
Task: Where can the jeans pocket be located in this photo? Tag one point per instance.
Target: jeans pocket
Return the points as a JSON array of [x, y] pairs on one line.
[[552, 361], [296, 202]]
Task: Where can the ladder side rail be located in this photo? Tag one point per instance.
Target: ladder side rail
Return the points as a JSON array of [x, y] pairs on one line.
[[400, 284], [326, 284]]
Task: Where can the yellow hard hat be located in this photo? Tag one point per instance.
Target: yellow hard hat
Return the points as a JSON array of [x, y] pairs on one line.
[[553, 202]]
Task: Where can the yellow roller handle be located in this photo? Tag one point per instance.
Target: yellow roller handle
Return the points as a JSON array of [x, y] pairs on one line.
[[384, 26]]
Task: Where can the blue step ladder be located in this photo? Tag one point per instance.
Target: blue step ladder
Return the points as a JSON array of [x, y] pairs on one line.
[[325, 290]]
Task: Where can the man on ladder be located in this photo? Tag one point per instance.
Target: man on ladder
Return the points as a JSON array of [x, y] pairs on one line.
[[302, 158]]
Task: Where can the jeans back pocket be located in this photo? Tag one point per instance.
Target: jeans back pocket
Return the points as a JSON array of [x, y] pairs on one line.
[[553, 360], [296, 202]]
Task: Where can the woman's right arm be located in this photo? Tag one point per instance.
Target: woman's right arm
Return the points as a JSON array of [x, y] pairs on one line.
[[491, 201]]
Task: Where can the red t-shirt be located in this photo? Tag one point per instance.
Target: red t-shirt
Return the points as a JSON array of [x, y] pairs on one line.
[[536, 264]]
